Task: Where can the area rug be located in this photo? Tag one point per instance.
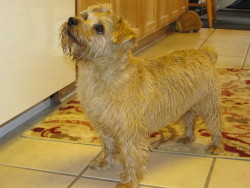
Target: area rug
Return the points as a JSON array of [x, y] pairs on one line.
[[69, 124]]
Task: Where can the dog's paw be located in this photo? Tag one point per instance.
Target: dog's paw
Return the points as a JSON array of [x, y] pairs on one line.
[[185, 140], [124, 185], [98, 164], [215, 149]]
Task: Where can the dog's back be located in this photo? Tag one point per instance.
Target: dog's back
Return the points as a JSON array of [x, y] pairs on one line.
[[204, 52], [179, 80]]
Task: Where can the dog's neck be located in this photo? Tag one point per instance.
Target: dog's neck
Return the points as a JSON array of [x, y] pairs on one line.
[[115, 61], [106, 70]]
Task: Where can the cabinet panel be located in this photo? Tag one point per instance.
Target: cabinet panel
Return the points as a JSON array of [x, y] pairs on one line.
[[164, 11], [131, 11], [84, 4], [128, 9], [174, 10], [183, 6], [150, 15]]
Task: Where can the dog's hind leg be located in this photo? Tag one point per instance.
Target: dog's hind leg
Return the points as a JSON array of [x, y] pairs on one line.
[[209, 109], [106, 159], [188, 120]]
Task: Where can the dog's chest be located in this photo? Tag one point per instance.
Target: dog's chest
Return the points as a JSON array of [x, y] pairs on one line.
[[97, 91]]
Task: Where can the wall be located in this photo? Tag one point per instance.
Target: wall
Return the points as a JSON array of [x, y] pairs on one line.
[[32, 66]]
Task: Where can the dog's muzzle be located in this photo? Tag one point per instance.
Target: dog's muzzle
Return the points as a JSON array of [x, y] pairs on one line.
[[72, 21]]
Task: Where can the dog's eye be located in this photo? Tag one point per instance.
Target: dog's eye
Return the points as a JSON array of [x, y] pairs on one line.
[[99, 28], [85, 17]]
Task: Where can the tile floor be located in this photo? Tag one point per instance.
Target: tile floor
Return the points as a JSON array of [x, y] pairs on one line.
[[34, 163]]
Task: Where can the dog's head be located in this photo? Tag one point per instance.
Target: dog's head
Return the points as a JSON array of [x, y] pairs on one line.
[[96, 33]]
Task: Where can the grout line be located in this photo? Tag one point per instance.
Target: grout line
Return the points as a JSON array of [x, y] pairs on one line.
[[201, 155], [78, 177], [116, 181], [210, 173], [103, 179], [37, 170], [81, 173], [248, 50], [152, 150], [147, 46], [207, 38]]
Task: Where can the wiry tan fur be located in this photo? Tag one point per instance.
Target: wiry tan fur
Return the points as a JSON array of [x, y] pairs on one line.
[[127, 98]]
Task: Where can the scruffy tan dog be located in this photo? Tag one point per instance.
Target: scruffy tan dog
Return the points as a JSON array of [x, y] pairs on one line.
[[127, 98]]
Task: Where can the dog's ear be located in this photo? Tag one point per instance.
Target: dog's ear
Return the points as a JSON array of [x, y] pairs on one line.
[[123, 33]]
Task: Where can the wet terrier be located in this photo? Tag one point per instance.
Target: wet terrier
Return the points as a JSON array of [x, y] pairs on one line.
[[127, 98]]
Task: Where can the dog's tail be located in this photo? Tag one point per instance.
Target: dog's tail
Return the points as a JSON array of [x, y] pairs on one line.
[[211, 53]]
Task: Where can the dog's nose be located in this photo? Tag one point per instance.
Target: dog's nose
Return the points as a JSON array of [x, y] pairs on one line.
[[72, 21]]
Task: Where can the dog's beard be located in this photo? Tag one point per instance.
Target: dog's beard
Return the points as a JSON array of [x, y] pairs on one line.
[[72, 45], [73, 49]]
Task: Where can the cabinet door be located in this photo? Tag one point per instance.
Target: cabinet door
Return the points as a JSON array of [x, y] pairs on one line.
[[164, 11], [130, 11], [84, 4], [174, 10], [150, 15], [183, 6]]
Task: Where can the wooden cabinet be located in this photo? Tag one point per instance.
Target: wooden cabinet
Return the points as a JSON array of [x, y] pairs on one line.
[[84, 4], [146, 16], [150, 19], [164, 12], [174, 13], [183, 6], [131, 11]]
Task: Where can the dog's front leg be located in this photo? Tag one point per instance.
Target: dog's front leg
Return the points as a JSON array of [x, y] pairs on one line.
[[105, 160], [134, 157]]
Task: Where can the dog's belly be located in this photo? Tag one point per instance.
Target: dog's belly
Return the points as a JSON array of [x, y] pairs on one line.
[[166, 112]]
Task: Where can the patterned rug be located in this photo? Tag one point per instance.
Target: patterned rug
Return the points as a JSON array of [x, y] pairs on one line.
[[69, 124]]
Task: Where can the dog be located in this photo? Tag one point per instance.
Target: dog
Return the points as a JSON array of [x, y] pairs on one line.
[[127, 98]]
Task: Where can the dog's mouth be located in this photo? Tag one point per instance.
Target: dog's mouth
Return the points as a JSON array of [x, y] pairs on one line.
[[72, 36], [69, 34], [72, 44]]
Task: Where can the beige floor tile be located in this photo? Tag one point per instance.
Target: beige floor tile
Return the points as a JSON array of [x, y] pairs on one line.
[[167, 170], [233, 40], [176, 41], [95, 183], [230, 55], [247, 60], [22, 178], [111, 174], [229, 61], [231, 50], [224, 32], [228, 43], [85, 182], [230, 174], [47, 155], [228, 50]]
